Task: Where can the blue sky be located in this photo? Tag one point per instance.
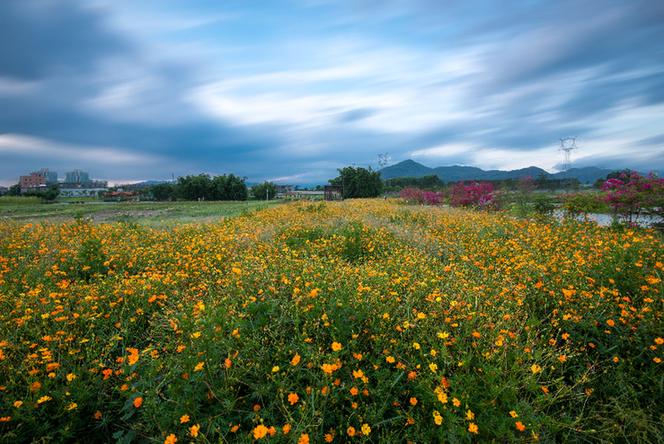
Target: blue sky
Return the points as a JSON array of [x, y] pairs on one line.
[[291, 90]]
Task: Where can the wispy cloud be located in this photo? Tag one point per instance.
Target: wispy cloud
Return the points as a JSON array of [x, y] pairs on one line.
[[295, 90]]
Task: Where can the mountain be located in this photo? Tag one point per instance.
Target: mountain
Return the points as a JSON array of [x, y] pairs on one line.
[[407, 168], [585, 175], [410, 168]]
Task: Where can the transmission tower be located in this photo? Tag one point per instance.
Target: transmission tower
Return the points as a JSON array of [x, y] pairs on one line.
[[383, 160], [567, 145]]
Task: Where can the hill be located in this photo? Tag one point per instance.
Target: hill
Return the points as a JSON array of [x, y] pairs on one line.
[[455, 173]]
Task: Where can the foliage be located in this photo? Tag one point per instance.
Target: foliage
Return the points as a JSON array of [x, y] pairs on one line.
[[431, 183], [358, 182], [582, 203], [416, 195], [164, 191], [358, 321], [473, 194], [14, 190], [630, 195], [204, 187], [48, 195], [264, 191], [543, 204]]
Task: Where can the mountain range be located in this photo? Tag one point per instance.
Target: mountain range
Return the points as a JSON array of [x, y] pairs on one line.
[[455, 173]]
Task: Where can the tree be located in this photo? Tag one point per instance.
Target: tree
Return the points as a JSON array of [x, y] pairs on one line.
[[358, 182], [164, 191], [264, 191], [195, 187], [228, 187], [14, 190]]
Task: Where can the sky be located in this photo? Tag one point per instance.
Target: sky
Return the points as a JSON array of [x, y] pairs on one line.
[[292, 90]]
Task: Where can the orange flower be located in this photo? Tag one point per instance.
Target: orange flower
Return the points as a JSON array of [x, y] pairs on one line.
[[351, 431], [138, 401], [336, 346], [260, 431], [519, 426], [296, 360], [133, 356], [184, 419], [293, 398], [304, 439], [171, 439], [193, 430], [472, 428]]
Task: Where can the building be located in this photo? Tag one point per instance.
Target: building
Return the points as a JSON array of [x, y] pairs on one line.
[[32, 182], [38, 180], [3, 190], [51, 177], [77, 176]]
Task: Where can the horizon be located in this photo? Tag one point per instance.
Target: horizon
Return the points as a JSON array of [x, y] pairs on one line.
[[291, 91]]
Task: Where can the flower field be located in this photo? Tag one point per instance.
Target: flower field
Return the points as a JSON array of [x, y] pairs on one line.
[[357, 321]]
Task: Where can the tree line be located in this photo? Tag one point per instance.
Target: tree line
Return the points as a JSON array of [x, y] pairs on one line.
[[202, 187]]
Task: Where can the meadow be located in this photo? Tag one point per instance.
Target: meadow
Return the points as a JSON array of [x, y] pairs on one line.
[[354, 321]]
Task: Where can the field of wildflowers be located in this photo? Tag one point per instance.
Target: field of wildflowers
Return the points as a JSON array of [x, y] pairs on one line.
[[356, 321]]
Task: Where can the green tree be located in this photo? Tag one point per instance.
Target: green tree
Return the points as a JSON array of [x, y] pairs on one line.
[[264, 191], [163, 191], [14, 190], [358, 182], [195, 187], [228, 187]]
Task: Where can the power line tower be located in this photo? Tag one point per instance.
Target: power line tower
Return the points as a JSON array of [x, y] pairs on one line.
[[567, 145], [383, 160]]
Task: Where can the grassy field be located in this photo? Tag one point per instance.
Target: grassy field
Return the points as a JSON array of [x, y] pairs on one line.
[[355, 321], [146, 213]]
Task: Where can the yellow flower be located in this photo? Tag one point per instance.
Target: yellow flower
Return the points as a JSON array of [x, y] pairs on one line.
[[535, 369], [456, 402], [275, 369], [72, 406], [437, 418], [514, 414], [193, 430], [472, 428], [43, 399], [336, 346], [366, 429], [433, 367], [470, 415], [184, 419], [199, 366], [18, 404], [70, 377]]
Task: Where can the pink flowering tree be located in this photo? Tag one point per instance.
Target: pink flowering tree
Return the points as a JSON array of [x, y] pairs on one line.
[[474, 194], [631, 195], [416, 195]]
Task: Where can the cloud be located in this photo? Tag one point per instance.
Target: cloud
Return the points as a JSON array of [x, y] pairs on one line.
[[295, 90]]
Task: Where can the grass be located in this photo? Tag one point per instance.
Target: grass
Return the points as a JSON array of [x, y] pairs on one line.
[[145, 213], [355, 321]]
